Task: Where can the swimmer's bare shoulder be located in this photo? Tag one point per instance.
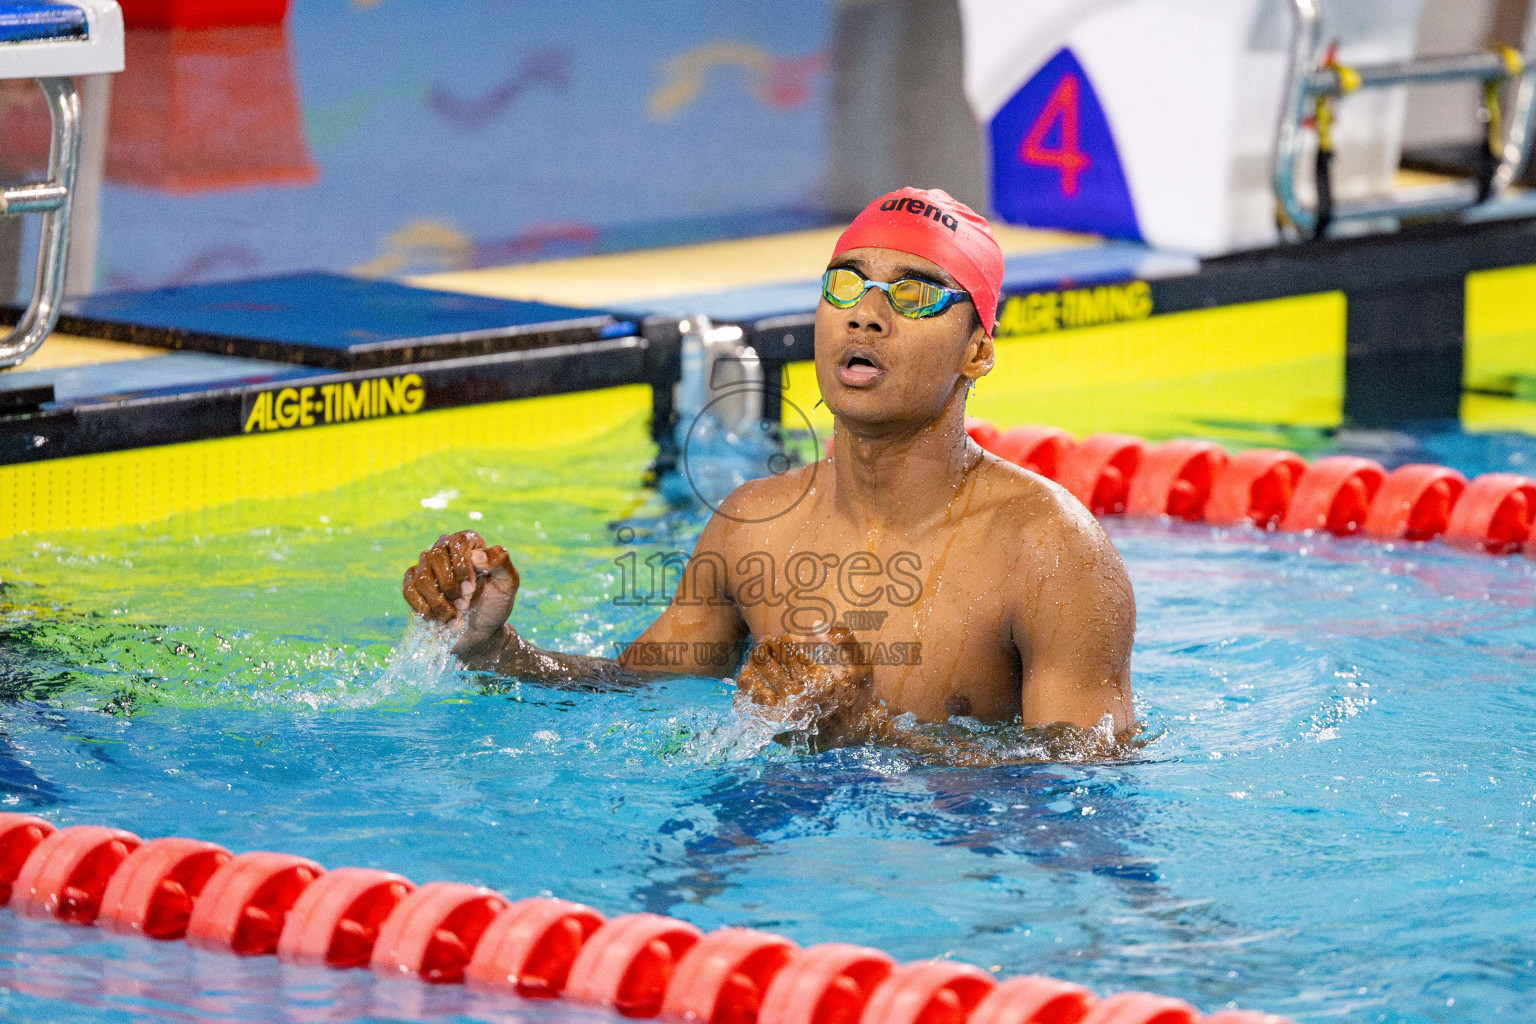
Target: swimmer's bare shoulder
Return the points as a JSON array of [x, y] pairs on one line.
[[749, 515], [1069, 600], [779, 489], [703, 623]]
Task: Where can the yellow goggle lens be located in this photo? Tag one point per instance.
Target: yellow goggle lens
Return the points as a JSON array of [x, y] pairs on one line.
[[842, 287], [915, 297]]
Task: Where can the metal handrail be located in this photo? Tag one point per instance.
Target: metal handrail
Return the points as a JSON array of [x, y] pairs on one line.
[[1517, 143], [52, 200], [1481, 67], [1306, 81], [39, 198]]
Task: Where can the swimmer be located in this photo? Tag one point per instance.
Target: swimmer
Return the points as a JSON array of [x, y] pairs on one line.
[[910, 572]]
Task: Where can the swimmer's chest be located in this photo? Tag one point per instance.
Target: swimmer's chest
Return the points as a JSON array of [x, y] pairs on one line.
[[932, 619]]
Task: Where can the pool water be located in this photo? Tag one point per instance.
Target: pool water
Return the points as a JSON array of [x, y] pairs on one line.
[[1332, 820]]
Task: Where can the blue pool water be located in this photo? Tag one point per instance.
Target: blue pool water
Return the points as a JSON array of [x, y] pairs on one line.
[[1332, 820]]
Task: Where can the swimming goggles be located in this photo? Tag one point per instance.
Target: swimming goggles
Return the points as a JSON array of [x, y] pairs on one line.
[[912, 297]]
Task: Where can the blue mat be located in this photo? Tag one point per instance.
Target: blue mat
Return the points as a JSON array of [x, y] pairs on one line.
[[331, 320], [174, 373], [26, 21]]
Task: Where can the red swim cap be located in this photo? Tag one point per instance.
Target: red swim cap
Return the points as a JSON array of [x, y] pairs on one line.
[[931, 223]]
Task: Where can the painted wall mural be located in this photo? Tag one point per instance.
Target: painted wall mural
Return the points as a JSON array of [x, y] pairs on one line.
[[399, 136]]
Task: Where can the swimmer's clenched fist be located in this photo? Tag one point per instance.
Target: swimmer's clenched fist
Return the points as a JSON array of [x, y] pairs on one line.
[[467, 586], [471, 589], [819, 681]]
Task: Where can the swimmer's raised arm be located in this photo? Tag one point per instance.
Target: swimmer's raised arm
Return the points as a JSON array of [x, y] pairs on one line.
[[471, 588], [702, 631], [1073, 618]]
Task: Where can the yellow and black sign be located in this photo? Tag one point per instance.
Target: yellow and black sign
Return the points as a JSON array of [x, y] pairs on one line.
[[314, 405], [1044, 312]]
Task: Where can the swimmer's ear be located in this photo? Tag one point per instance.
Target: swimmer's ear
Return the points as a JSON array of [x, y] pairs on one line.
[[980, 354]]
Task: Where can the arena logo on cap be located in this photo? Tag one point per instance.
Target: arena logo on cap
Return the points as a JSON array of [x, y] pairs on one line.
[[909, 204]]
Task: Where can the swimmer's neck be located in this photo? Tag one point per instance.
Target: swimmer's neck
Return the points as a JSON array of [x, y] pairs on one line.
[[902, 478]]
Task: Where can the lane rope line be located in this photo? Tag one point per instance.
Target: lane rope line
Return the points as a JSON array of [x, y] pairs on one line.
[[639, 965], [1274, 489]]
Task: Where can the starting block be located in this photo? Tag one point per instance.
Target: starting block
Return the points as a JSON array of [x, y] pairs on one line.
[[51, 43]]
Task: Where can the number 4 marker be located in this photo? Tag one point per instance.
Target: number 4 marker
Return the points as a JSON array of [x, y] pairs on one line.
[[1061, 106]]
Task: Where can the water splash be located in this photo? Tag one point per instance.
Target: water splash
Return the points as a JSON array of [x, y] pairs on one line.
[[969, 742], [423, 664], [740, 735], [961, 741], [706, 737], [126, 668]]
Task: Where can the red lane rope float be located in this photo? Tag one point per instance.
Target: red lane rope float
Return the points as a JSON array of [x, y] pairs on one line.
[[243, 906], [1334, 495], [1414, 503], [826, 984], [1269, 488], [153, 890], [1175, 479], [530, 947], [722, 978], [20, 834], [1034, 1000], [1098, 471], [628, 963], [1494, 513], [1141, 1008], [67, 874], [1038, 449], [336, 919], [641, 965], [432, 934], [928, 992], [1256, 488]]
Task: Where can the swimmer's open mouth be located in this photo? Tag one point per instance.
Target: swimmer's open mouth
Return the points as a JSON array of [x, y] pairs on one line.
[[858, 368]]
